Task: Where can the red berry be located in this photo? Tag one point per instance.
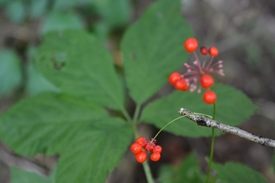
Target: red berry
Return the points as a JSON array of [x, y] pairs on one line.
[[206, 81], [213, 51], [190, 44], [204, 50], [181, 85], [209, 97], [141, 157], [157, 149], [149, 147], [174, 77], [142, 141], [136, 148], [155, 156]]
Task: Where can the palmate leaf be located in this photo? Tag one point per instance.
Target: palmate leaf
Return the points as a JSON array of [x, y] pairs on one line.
[[82, 133], [232, 106], [80, 65], [237, 173], [152, 48]]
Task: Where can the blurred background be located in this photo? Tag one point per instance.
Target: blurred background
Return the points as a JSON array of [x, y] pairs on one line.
[[243, 30]]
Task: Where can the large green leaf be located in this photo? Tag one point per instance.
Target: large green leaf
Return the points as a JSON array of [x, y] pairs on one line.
[[90, 142], [232, 108], [152, 48], [43, 123], [80, 65], [237, 173], [92, 155]]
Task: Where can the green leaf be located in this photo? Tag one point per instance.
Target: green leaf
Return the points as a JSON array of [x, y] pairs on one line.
[[16, 11], [38, 8], [93, 155], [80, 65], [114, 13], [232, 108], [37, 83], [90, 142], [10, 71], [45, 122], [70, 4], [22, 176], [188, 171], [57, 21], [152, 48], [237, 173]]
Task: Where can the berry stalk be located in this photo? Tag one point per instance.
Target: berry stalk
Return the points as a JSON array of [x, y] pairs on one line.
[[167, 125], [212, 146]]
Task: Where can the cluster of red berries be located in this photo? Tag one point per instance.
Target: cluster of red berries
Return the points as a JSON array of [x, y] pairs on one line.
[[142, 145], [198, 72]]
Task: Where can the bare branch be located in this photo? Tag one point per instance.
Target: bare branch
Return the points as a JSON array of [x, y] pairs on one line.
[[208, 122]]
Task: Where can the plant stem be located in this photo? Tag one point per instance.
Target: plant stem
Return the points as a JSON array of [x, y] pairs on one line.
[[137, 111], [126, 115], [145, 165], [148, 172], [167, 125], [212, 146]]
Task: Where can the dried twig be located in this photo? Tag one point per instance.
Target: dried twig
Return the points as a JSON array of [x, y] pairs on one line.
[[208, 122]]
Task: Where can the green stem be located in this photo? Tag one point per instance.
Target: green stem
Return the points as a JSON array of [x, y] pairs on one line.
[[212, 146], [167, 125], [148, 172], [126, 115], [145, 165], [137, 111]]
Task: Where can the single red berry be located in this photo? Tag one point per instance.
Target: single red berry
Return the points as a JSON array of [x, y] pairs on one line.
[[142, 141], [190, 44], [206, 81], [213, 51], [157, 149], [209, 97], [136, 148], [204, 50], [155, 156], [141, 157], [174, 77], [181, 85]]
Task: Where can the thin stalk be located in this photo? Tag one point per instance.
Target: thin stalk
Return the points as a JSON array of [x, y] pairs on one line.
[[148, 172], [126, 115], [146, 167], [137, 111], [212, 146], [167, 125]]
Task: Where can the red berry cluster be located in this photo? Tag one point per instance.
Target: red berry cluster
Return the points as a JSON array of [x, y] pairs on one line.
[[199, 72], [142, 145], [178, 82]]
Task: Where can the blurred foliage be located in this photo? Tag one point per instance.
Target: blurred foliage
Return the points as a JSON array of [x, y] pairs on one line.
[[57, 15], [188, 171], [10, 71]]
